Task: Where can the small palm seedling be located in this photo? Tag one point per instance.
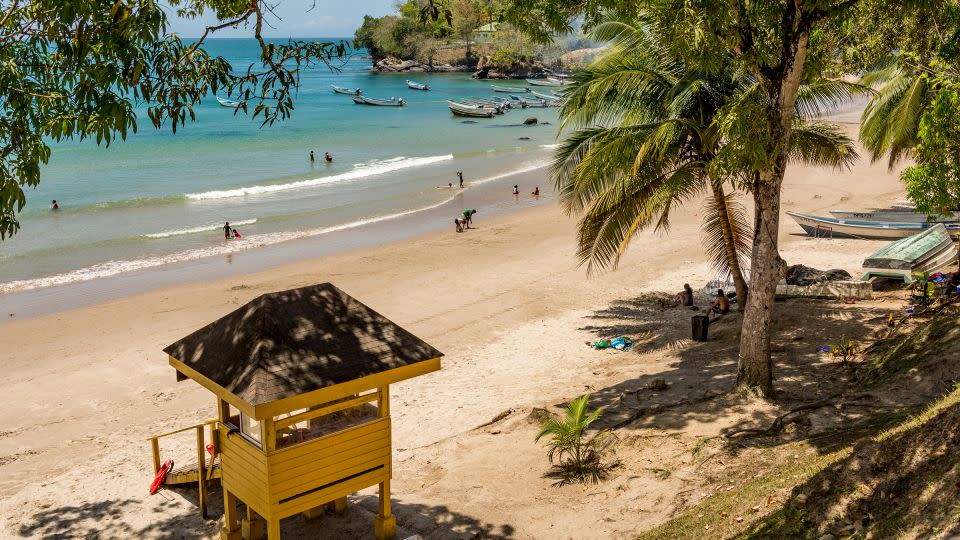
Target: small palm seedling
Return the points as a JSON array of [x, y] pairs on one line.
[[844, 349], [576, 457]]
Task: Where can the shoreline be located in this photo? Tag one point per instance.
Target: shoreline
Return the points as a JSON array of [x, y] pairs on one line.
[[489, 195]]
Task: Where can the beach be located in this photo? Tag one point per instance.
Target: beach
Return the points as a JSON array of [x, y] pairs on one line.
[[506, 302]]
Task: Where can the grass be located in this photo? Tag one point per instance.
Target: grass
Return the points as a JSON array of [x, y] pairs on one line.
[[897, 354], [766, 508]]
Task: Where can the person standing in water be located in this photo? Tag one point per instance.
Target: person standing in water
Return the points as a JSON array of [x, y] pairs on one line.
[[227, 230], [54, 205], [536, 191], [460, 176], [327, 157], [516, 189], [312, 159]]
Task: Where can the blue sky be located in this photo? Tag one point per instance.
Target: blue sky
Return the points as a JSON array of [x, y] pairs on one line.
[[329, 18]]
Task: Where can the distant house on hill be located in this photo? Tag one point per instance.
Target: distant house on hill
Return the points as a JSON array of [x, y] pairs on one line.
[[486, 32]]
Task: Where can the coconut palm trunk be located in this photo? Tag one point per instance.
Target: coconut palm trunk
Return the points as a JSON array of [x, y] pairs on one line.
[[730, 244]]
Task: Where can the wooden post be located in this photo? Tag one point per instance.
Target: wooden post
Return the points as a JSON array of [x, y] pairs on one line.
[[252, 527], [155, 445], [384, 524], [273, 529], [202, 471], [231, 518], [383, 403]]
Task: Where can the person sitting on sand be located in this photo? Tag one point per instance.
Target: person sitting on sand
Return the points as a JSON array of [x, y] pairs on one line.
[[54, 205], [536, 191], [468, 217], [685, 297], [720, 306], [227, 230], [236, 234]]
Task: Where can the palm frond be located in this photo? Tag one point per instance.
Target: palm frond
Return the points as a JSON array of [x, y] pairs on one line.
[[713, 234], [822, 144], [891, 118], [824, 96]]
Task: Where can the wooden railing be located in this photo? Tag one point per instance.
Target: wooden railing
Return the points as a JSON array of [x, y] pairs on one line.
[[202, 469]]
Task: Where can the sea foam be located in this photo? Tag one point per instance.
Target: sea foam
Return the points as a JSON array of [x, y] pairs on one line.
[[360, 171], [200, 229]]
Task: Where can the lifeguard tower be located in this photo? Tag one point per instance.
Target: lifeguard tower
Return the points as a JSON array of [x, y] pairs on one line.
[[301, 379]]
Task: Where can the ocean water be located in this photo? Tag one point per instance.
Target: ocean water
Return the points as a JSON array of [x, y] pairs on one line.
[[158, 198]]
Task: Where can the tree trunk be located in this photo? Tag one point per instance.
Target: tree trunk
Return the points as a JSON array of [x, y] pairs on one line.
[[733, 258], [755, 367]]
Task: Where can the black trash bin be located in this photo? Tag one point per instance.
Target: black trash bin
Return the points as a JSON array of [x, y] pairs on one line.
[[700, 324]]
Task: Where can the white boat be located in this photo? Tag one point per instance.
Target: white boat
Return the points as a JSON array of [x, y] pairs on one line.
[[541, 82], [497, 108], [548, 97], [535, 103], [473, 111], [348, 91], [417, 86], [855, 228], [559, 82], [363, 100], [509, 89], [902, 216], [228, 102], [925, 252]]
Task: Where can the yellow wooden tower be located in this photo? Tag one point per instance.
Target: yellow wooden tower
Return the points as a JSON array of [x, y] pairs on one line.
[[301, 379]]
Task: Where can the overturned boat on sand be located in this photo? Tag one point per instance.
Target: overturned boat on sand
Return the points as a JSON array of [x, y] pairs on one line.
[[926, 252]]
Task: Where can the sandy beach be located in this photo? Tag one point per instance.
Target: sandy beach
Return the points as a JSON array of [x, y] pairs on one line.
[[508, 305]]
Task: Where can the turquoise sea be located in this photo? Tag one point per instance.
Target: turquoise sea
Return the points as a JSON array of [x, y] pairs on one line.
[[158, 199]]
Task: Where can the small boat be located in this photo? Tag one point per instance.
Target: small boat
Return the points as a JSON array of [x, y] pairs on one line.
[[855, 228], [541, 82], [348, 91], [363, 100], [509, 89], [417, 86], [925, 252], [551, 98], [905, 215], [473, 111], [228, 102], [535, 103], [559, 82], [495, 107], [502, 102]]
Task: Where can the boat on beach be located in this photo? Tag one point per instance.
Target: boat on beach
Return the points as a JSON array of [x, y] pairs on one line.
[[228, 102], [472, 111], [905, 215], [925, 252], [413, 85], [855, 228], [509, 89], [347, 91], [543, 82], [363, 100]]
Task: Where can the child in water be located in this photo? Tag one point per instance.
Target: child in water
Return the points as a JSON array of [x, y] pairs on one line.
[[236, 234]]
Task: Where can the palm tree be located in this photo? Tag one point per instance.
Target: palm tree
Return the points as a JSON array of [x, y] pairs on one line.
[[891, 120], [653, 131], [576, 458]]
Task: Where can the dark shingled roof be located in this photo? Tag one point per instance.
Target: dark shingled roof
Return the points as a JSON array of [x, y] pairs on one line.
[[288, 343]]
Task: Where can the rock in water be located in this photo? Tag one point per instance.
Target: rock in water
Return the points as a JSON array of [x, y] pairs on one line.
[[532, 121], [523, 138], [801, 275]]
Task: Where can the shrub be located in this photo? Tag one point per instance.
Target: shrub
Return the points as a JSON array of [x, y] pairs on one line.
[[574, 456]]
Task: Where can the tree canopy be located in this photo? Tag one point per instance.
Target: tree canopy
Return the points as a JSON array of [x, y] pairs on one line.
[[80, 68]]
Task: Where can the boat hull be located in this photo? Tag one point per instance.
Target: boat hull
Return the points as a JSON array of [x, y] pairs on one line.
[[471, 111], [540, 82], [509, 89], [926, 252], [902, 216], [873, 230], [360, 100]]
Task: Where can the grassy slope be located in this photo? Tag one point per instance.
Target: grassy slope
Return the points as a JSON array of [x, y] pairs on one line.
[[898, 477]]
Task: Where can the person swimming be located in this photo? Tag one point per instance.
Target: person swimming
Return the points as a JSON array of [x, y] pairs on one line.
[[54, 205]]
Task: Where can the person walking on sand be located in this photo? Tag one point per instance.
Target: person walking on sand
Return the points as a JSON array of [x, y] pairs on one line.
[[54, 205], [227, 230], [468, 217], [460, 176]]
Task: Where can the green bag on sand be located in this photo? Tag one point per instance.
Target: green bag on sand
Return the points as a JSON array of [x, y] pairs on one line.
[[602, 344]]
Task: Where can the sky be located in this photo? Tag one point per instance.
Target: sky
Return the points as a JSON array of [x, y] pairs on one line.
[[328, 18]]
